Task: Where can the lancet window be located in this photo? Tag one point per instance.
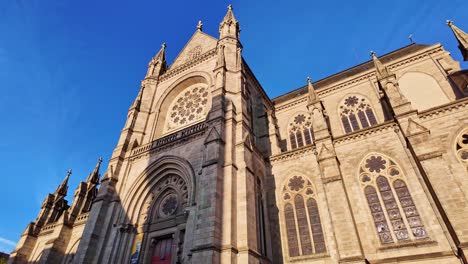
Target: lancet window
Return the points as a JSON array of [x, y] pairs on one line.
[[461, 147], [395, 216], [356, 113], [300, 131], [302, 218]]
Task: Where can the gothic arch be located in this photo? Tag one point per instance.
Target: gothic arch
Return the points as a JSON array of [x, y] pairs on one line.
[[70, 255], [139, 195], [300, 217], [389, 199], [173, 92], [356, 112], [422, 90], [300, 131]]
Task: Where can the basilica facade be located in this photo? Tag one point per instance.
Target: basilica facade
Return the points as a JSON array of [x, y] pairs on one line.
[[368, 165]]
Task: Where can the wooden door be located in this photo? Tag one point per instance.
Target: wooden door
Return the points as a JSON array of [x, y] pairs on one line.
[[162, 251]]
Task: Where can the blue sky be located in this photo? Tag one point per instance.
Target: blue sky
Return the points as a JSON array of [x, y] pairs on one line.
[[69, 70]]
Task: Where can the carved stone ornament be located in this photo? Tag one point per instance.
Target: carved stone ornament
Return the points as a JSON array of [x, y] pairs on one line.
[[189, 107]]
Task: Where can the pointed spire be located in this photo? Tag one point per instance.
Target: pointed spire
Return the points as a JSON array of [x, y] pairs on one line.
[[462, 39], [313, 96], [382, 71], [229, 27], [157, 65], [94, 175], [63, 187], [200, 25]]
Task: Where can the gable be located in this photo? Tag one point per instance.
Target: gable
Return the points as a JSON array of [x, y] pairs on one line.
[[198, 44]]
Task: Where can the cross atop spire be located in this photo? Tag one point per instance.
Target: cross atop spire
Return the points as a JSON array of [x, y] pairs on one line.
[[63, 187], [382, 71], [94, 175], [200, 25], [462, 39], [229, 27]]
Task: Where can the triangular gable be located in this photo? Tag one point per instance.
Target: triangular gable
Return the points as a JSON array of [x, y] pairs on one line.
[[198, 44], [414, 128]]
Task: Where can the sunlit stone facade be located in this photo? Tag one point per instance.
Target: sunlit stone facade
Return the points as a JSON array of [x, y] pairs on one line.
[[368, 165]]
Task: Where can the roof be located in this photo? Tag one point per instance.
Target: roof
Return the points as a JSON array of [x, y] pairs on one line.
[[351, 71]]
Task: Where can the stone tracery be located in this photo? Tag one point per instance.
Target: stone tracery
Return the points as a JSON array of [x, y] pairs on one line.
[[302, 219], [190, 106], [391, 205], [461, 147], [300, 131], [356, 113]]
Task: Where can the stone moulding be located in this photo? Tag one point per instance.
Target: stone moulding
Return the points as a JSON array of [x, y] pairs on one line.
[[365, 132], [292, 154], [293, 103], [173, 72], [449, 107], [169, 140], [362, 77]]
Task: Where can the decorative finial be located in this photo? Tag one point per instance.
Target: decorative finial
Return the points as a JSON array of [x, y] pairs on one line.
[[449, 22], [230, 7], [308, 80], [199, 25], [69, 172], [372, 53], [100, 160], [163, 45]]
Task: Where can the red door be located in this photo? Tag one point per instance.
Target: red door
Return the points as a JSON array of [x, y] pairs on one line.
[[162, 252]]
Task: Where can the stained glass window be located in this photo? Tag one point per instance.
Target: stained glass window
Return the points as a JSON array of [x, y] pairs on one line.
[[356, 113], [300, 131]]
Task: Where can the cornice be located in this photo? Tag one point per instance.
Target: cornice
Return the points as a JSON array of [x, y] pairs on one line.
[[292, 103], [365, 132], [292, 154], [436, 111], [366, 75], [189, 64]]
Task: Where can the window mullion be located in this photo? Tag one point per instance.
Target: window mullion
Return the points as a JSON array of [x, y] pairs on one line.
[[309, 225], [387, 217], [299, 242]]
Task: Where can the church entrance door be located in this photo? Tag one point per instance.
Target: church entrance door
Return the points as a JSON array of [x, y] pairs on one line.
[[162, 251]]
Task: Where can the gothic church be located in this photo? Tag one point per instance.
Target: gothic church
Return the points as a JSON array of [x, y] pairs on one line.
[[368, 165]]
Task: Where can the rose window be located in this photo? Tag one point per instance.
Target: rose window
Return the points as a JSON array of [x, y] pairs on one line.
[[168, 205], [188, 107]]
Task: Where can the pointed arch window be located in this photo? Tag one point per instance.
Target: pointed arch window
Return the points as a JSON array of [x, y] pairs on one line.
[[300, 131], [461, 147], [356, 113], [302, 219], [395, 216]]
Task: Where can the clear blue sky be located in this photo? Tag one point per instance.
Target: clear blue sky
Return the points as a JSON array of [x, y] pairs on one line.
[[69, 70]]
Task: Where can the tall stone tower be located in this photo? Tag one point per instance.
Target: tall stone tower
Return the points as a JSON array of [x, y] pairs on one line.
[[181, 181]]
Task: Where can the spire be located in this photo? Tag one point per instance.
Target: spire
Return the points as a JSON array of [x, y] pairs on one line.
[[63, 187], [200, 25], [229, 27], [462, 39], [157, 65], [94, 175], [313, 96], [382, 71]]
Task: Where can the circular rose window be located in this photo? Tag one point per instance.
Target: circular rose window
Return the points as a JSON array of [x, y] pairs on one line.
[[168, 205], [190, 106]]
